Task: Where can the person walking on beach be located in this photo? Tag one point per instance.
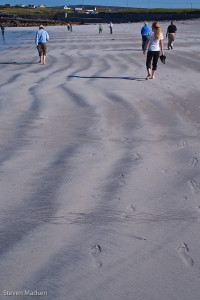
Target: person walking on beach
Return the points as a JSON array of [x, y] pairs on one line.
[[2, 31], [171, 34], [144, 33], [155, 42], [111, 27], [100, 28], [41, 39]]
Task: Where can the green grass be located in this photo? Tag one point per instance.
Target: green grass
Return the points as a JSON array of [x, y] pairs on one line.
[[52, 11], [157, 10], [31, 11]]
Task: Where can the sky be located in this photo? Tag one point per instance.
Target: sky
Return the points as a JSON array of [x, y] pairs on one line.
[[123, 3]]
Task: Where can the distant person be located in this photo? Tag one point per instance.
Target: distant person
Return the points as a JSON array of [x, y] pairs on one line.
[[155, 42], [171, 34], [144, 33], [41, 39], [111, 27], [68, 26], [2, 30], [100, 28]]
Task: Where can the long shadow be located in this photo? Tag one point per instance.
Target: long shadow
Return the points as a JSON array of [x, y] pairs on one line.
[[106, 77], [18, 63], [137, 50]]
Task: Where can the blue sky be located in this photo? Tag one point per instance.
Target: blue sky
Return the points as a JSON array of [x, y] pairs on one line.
[[125, 3]]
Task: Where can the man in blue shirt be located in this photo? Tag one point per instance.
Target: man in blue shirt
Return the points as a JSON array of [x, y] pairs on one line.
[[2, 30], [144, 33], [41, 39]]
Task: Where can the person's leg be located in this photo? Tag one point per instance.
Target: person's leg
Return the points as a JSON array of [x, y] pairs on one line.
[[172, 40], [44, 48], [144, 38], [153, 74], [148, 63], [143, 42], [156, 55], [39, 48]]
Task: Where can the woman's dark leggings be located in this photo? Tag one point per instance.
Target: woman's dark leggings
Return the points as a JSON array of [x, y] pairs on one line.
[[152, 55]]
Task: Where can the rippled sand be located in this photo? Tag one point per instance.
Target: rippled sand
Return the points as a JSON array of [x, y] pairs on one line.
[[99, 168]]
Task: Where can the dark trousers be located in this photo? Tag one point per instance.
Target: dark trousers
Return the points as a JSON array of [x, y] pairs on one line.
[[152, 57], [144, 38]]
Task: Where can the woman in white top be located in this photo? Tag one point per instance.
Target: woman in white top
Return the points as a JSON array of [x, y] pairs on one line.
[[155, 41]]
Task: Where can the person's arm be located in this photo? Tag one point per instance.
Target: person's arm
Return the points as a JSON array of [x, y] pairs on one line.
[[175, 32], [47, 37], [36, 38], [145, 46], [161, 47]]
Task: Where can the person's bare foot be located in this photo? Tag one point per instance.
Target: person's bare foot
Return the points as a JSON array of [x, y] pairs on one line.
[[152, 77], [148, 76]]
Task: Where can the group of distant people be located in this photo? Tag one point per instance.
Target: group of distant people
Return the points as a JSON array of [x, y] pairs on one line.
[[153, 40], [42, 37], [110, 27]]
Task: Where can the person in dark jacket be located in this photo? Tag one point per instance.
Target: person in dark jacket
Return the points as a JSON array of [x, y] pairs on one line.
[[171, 34]]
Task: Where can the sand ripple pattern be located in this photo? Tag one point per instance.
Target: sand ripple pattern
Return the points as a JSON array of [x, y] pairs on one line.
[[99, 168]]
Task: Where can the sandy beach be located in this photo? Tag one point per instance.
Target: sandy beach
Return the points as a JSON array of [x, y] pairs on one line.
[[99, 168]]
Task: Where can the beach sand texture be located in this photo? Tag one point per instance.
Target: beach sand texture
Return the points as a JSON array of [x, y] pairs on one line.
[[99, 168]]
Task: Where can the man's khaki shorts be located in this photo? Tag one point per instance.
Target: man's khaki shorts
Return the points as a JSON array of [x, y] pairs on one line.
[[42, 49]]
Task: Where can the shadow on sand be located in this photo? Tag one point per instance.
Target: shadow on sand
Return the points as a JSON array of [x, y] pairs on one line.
[[106, 77], [137, 50], [18, 63]]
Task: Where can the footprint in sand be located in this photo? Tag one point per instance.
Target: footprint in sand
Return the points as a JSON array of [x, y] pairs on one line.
[[96, 253], [194, 162], [121, 180], [185, 144], [183, 251], [195, 186], [131, 210]]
